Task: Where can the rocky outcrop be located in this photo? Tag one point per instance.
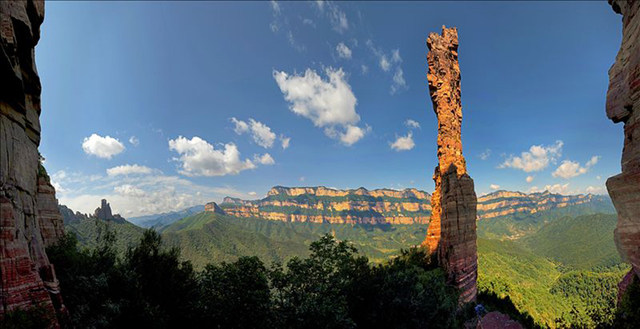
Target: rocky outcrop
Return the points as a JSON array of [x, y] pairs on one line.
[[104, 213], [452, 230], [623, 105], [326, 205], [214, 208], [386, 206], [27, 219]]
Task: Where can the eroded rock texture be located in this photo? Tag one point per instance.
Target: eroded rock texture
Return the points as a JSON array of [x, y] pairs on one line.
[[452, 229], [28, 219], [623, 105]]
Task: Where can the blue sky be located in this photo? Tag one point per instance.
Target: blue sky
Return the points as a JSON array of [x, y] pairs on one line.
[[160, 106]]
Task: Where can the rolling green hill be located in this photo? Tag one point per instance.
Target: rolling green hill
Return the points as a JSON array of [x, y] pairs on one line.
[[88, 230]]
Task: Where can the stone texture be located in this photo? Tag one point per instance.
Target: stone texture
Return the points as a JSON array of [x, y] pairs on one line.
[[104, 213], [623, 105], [452, 229], [497, 320], [27, 214], [214, 208]]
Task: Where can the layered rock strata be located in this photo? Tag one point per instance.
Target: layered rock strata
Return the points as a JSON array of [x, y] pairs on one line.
[[326, 205], [623, 105], [452, 230], [28, 221], [214, 208]]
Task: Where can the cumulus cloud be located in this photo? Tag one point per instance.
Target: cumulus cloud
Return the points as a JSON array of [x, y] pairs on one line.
[[529, 179], [329, 104], [398, 81], [569, 169], [537, 158], [133, 140], [252, 193], [494, 186], [284, 141], [260, 132], [412, 124], [199, 158], [403, 143], [343, 51], [128, 170], [264, 159], [102, 147]]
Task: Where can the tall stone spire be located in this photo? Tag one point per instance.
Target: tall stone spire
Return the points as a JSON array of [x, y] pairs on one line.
[[452, 229]]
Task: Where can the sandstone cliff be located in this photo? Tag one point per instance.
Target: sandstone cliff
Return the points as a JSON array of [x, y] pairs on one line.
[[104, 213], [623, 105], [452, 230], [28, 218], [326, 205], [386, 206]]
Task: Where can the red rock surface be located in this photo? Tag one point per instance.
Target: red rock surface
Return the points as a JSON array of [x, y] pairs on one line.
[[497, 320], [26, 226], [452, 230], [623, 105]]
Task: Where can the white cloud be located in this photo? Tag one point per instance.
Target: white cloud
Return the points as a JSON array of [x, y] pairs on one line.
[[275, 6], [128, 170], [387, 62], [252, 193], [485, 155], [129, 190], [529, 179], [398, 81], [133, 140], [338, 18], [199, 158], [569, 169], [240, 126], [260, 132], [539, 157], [264, 159], [403, 143], [412, 124], [598, 177], [302, 178], [594, 189], [364, 69], [328, 104], [494, 186], [284, 141], [555, 188], [343, 51], [102, 147]]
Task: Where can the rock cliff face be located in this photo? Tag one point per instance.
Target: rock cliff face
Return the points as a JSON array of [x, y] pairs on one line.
[[623, 105], [28, 221], [325, 205], [214, 208], [452, 231], [386, 206]]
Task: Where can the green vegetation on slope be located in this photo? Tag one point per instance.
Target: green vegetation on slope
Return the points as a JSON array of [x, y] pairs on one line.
[[89, 230], [207, 237]]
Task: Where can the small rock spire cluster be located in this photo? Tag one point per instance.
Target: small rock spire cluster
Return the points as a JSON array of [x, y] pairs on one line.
[[452, 229]]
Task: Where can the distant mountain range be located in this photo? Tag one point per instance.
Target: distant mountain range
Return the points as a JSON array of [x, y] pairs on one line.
[[386, 206], [164, 219]]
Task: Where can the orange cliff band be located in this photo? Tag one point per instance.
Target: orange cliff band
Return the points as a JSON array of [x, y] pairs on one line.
[[452, 229]]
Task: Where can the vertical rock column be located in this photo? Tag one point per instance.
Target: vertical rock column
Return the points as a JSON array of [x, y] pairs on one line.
[[27, 279], [452, 229], [623, 105]]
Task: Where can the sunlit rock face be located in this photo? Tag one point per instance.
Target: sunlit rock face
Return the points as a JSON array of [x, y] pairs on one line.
[[623, 105], [452, 230], [327, 205], [28, 210]]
